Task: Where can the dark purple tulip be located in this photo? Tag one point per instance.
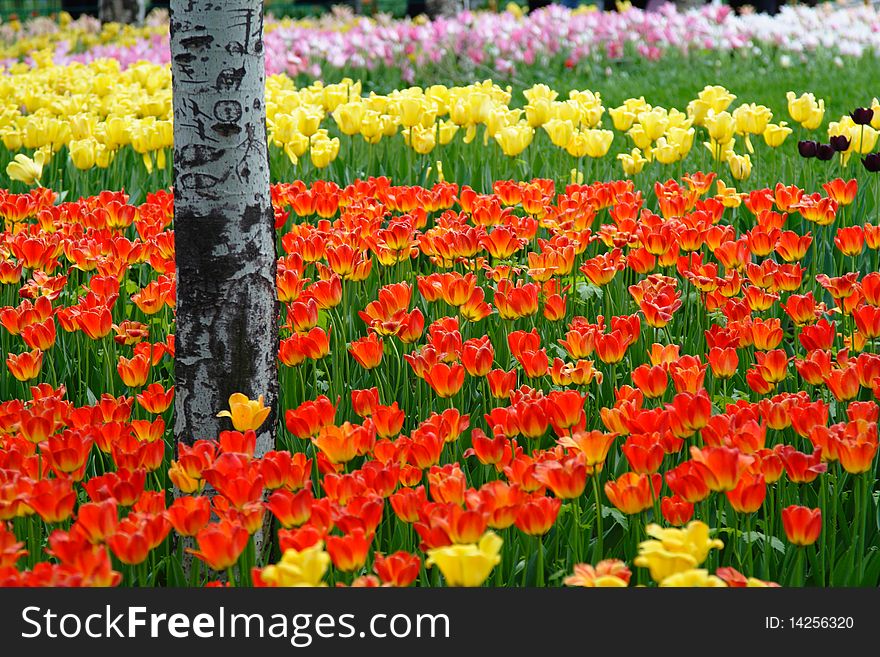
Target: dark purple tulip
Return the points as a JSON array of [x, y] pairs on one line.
[[872, 162], [807, 148], [839, 142], [825, 152], [862, 115]]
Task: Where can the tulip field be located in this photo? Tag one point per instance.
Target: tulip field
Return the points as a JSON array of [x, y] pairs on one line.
[[553, 313]]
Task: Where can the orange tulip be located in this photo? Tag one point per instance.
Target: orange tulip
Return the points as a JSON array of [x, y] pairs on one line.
[[349, 552], [842, 191], [720, 467], [633, 493], [291, 509], [802, 525], [445, 380], [155, 399], [220, 544], [189, 515], [367, 351], [52, 499], [501, 383], [676, 510], [749, 494], [537, 515], [398, 569], [25, 366], [644, 452], [566, 478], [95, 521], [593, 444]]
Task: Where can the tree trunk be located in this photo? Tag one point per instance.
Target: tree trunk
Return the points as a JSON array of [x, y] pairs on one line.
[[121, 11], [227, 308], [447, 8]]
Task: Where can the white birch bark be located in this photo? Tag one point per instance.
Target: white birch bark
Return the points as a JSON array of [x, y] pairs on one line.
[[227, 333], [122, 11]]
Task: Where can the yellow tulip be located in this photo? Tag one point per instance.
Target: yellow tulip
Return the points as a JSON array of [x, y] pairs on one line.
[[308, 119], [636, 105], [640, 138], [654, 122], [591, 115], [323, 151], [678, 119], [82, 126], [439, 95], [336, 94], [246, 414], [415, 111], [299, 568], [675, 550], [559, 131], [875, 120], [863, 139], [377, 103], [622, 118], [348, 117], [697, 577], [753, 582], [632, 162], [498, 118], [538, 112], [11, 139], [514, 139], [467, 564], [459, 111], [27, 170], [296, 146], [721, 126], [751, 118], [446, 132], [598, 142], [422, 140], [728, 196], [698, 110], [103, 156], [662, 563], [83, 153], [117, 132], [682, 138], [716, 97], [776, 134], [567, 110], [740, 166], [479, 105], [664, 152], [515, 9], [806, 110], [540, 92], [372, 126]]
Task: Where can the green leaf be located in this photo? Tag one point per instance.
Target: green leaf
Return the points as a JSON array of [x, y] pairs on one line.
[[587, 290], [619, 518], [844, 570], [872, 570], [754, 537]]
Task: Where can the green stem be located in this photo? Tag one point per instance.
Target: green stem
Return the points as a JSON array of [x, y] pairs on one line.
[[598, 548]]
